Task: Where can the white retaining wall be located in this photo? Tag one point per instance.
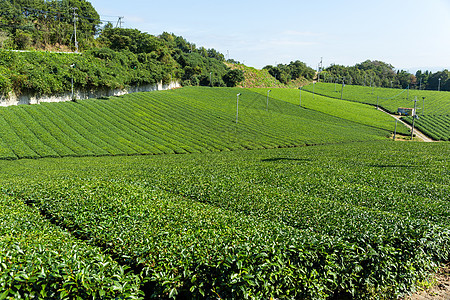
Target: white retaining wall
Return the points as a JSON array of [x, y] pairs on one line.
[[80, 95]]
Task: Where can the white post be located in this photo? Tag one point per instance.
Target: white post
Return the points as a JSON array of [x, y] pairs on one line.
[[237, 107]]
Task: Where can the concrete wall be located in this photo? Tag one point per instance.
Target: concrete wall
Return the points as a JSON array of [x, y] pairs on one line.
[[80, 95]]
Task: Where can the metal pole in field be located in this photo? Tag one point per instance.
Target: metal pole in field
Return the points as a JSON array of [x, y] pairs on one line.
[[314, 84], [395, 129], [439, 86], [342, 90], [420, 84], [75, 19], [414, 117], [267, 101], [423, 105], [72, 65], [300, 88], [237, 107]]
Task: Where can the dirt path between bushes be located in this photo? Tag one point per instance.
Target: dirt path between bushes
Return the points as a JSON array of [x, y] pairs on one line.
[[419, 134], [440, 291]]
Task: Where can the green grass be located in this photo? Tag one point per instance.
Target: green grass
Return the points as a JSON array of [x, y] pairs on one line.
[[391, 99], [434, 106], [187, 120], [356, 112], [435, 126], [364, 219]]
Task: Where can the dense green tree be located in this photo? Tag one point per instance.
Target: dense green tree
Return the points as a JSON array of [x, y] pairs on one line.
[[233, 77], [292, 71]]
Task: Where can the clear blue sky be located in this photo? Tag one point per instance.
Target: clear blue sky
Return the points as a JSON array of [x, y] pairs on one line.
[[408, 34]]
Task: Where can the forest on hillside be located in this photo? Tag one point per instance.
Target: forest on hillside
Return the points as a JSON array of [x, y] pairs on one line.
[[114, 57], [381, 74]]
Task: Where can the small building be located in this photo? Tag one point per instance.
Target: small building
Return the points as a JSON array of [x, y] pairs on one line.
[[406, 111]]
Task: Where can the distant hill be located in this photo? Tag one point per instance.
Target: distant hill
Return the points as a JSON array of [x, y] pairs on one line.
[[255, 78]]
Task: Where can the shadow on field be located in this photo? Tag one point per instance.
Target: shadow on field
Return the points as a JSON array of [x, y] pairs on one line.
[[391, 166], [278, 159]]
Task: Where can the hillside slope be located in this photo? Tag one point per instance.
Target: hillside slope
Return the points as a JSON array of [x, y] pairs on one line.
[[355, 112], [433, 107], [178, 121], [255, 78]]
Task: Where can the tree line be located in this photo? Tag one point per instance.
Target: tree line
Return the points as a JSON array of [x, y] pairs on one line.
[[381, 74], [285, 73], [111, 57]]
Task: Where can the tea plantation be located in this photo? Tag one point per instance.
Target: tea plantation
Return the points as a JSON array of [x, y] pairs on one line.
[[367, 220], [287, 203], [186, 120], [432, 106]]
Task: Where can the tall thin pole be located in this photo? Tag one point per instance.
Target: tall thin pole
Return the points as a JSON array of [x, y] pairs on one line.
[[395, 129], [267, 101], [237, 107], [75, 27], [439, 86], [414, 117], [210, 79], [423, 105], [73, 96], [314, 84], [300, 88], [342, 89]]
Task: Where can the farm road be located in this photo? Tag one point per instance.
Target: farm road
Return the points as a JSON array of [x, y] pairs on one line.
[[441, 291], [419, 134]]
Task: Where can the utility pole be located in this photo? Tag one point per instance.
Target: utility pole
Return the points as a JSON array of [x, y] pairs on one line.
[[75, 19], [319, 69], [423, 105], [119, 22], [314, 84], [439, 86], [300, 88], [73, 95], [395, 129], [237, 107], [414, 117], [342, 90]]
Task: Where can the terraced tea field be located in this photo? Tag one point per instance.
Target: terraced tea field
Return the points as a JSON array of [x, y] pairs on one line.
[[356, 112], [368, 220], [186, 120], [433, 106], [337, 211]]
